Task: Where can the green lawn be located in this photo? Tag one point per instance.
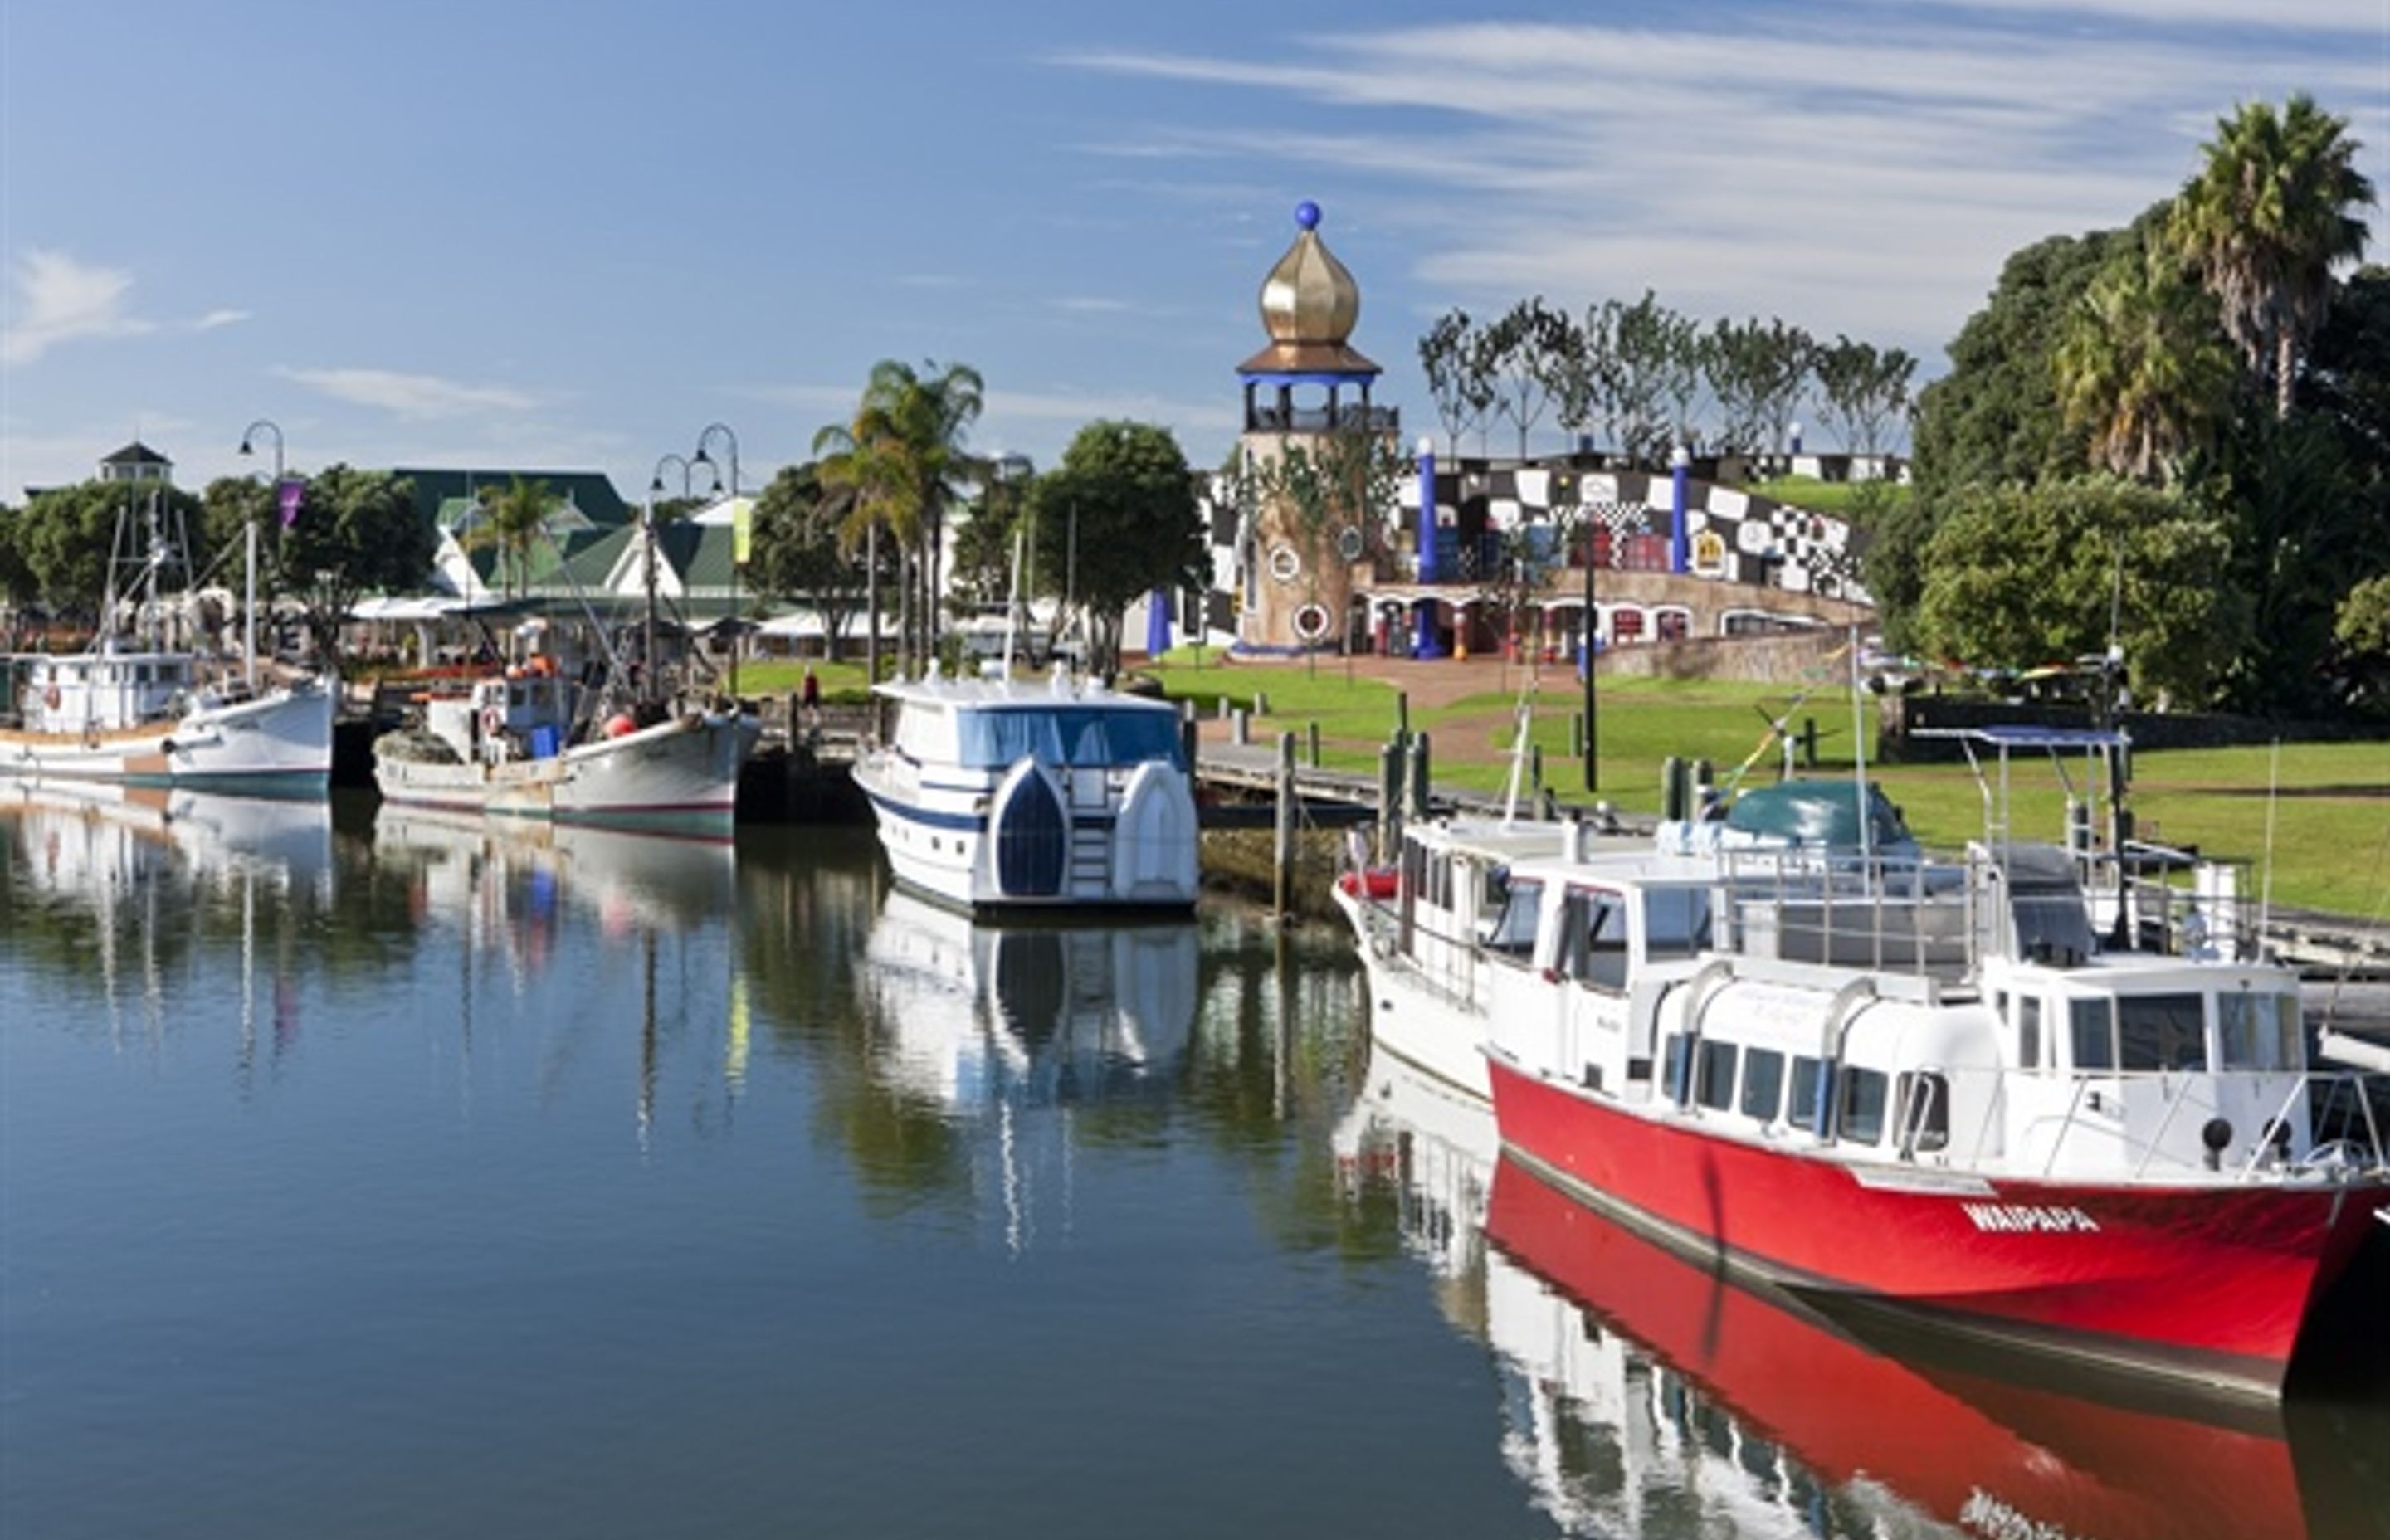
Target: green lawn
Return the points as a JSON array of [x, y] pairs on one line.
[[1834, 498], [2332, 820]]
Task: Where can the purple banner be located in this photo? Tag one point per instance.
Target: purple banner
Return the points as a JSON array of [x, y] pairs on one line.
[[291, 492]]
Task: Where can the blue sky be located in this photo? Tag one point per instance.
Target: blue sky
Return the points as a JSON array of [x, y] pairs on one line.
[[493, 232]]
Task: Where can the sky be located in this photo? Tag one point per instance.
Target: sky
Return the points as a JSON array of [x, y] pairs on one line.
[[490, 234]]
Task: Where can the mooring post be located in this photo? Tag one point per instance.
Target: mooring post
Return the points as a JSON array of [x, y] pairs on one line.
[[1534, 769], [1189, 736], [1239, 727], [1808, 743], [1403, 716], [1576, 735], [1419, 771], [1315, 745], [1283, 862], [1390, 799]]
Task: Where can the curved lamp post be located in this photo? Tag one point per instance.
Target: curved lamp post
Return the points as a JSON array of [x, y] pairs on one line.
[[249, 632], [737, 530]]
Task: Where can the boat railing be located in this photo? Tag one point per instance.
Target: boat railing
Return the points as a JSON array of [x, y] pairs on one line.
[[2336, 1110], [1887, 913]]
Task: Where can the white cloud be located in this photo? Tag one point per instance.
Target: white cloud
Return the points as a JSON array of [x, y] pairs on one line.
[[416, 396], [215, 318], [1863, 171], [55, 299]]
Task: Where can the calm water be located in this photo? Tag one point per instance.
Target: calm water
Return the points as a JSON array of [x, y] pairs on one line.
[[374, 1176]]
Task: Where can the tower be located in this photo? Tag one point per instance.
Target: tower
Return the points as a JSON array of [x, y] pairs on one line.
[[1305, 463]]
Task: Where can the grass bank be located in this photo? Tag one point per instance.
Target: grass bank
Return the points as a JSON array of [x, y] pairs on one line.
[[2331, 818]]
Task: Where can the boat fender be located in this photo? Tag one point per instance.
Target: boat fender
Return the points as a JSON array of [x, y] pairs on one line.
[[2215, 1133], [493, 721], [620, 726]]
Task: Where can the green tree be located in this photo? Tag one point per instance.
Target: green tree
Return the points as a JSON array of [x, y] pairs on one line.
[[2362, 631], [2271, 211], [65, 537], [798, 553], [1528, 355], [1862, 392], [357, 533], [898, 467], [984, 545], [1115, 519], [511, 522], [1756, 374], [2019, 577], [1452, 356], [1645, 339], [2141, 368]]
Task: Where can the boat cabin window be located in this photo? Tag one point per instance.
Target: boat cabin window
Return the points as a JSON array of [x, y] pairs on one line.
[[2258, 1030], [1676, 922], [1437, 890], [2161, 1031], [1514, 933], [1763, 1084], [1593, 939], [2028, 1025], [1714, 1080], [2091, 1034], [1094, 736], [1925, 1116], [1863, 1093], [1807, 1076]]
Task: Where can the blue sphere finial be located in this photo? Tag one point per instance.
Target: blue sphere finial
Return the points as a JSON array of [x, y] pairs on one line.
[[1306, 214]]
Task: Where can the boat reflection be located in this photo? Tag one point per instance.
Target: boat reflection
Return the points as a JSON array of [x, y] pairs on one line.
[[135, 879], [1007, 1033], [982, 1016], [1644, 1394], [507, 882], [93, 842]]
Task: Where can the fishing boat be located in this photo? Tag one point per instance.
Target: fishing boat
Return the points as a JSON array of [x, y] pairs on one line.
[[1906, 1085], [530, 742], [134, 708], [1002, 793]]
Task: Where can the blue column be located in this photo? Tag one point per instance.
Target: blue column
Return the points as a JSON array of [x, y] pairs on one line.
[[1157, 623], [1424, 643], [1680, 472]]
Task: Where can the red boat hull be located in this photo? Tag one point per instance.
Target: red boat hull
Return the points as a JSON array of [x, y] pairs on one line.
[[2205, 1284], [1984, 1455]]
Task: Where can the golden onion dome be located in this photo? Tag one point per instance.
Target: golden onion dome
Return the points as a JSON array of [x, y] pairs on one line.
[[1310, 305], [1310, 297]]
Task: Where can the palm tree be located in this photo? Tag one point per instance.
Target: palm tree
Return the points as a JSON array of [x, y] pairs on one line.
[[2141, 367], [898, 465], [513, 520], [2266, 220]]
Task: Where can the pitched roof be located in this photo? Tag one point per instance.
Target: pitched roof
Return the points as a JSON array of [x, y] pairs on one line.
[[135, 453]]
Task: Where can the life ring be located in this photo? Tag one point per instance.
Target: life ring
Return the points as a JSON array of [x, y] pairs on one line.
[[493, 722]]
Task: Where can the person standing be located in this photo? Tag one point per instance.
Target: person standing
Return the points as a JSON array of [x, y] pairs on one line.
[[809, 698]]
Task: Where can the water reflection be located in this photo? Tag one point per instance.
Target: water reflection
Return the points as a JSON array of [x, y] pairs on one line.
[[1641, 1394], [127, 883], [1008, 1029]]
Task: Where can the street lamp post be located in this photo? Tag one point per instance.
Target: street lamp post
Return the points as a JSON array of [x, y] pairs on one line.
[[738, 532], [648, 529], [248, 542]]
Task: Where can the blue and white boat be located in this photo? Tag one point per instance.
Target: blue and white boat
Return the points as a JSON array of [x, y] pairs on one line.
[[1010, 794]]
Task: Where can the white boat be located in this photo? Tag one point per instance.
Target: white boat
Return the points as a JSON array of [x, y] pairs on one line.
[[999, 793], [515, 745], [149, 717], [1917, 1086], [134, 709]]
